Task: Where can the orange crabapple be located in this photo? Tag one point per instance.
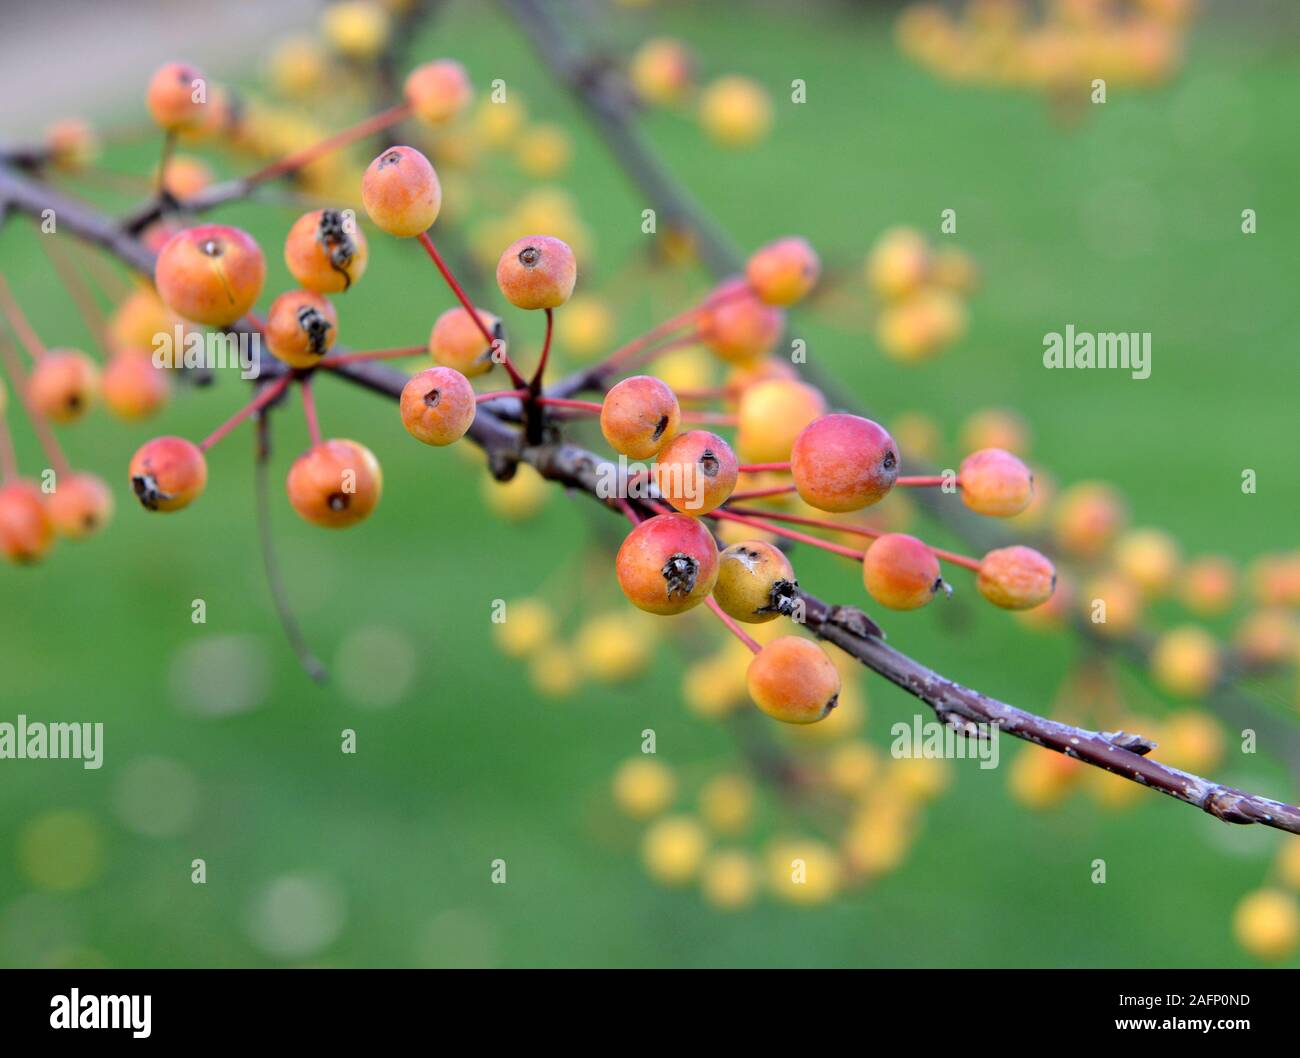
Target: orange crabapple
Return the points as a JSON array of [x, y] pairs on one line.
[[901, 572], [1122, 600], [132, 387], [899, 263], [1267, 924], [168, 473], [175, 97], [1267, 636], [667, 564], [72, 144], [756, 582], [537, 272], [783, 272], [770, 416], [63, 385], [185, 176], [1148, 557], [301, 327], [735, 111], [1209, 584], [138, 319], [843, 462], [438, 405], [1016, 578], [792, 680], [737, 326], [1087, 517], [401, 192], [639, 416], [26, 531], [80, 505], [662, 71], [457, 342], [438, 92], [210, 274], [335, 483], [996, 428], [543, 151], [696, 471], [996, 483], [325, 251]]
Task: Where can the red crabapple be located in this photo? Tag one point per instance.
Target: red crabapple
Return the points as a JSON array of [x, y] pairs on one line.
[[168, 473], [175, 95], [843, 462], [783, 272], [667, 564], [770, 416], [1016, 578], [639, 416], [210, 274], [301, 326], [995, 482], [792, 680], [401, 192], [335, 484], [132, 387], [696, 472], [438, 91], [901, 572], [739, 328], [457, 342], [81, 504], [438, 405], [26, 532], [756, 582], [323, 254], [537, 272], [63, 385]]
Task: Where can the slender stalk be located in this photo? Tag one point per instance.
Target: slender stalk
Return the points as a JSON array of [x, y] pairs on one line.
[[733, 626], [8, 457], [575, 405], [535, 386], [301, 159], [168, 145], [920, 480], [501, 394], [19, 322], [373, 354], [789, 534], [82, 296], [760, 468], [40, 425], [268, 394], [758, 494], [309, 411]]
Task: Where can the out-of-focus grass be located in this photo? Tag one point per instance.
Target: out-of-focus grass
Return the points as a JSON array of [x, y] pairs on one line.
[[1129, 222]]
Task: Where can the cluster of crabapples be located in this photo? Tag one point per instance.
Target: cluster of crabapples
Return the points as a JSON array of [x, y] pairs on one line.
[[1001, 42], [920, 290]]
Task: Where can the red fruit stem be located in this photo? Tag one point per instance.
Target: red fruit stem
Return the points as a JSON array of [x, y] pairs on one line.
[[82, 296], [459, 291], [714, 418], [500, 394], [920, 480], [298, 160], [372, 354], [758, 468], [627, 510], [704, 395], [264, 398], [168, 145], [758, 494], [662, 330], [18, 321], [732, 625], [648, 355], [535, 386], [789, 534], [309, 410], [8, 458], [578, 405], [41, 427]]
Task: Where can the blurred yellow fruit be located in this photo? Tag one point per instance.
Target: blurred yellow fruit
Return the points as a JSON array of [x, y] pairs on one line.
[[519, 498], [727, 803], [1267, 924], [1042, 779], [919, 435], [1185, 661], [1191, 740], [1267, 637], [995, 428], [544, 151], [1288, 862], [735, 111], [898, 264], [661, 71], [297, 67], [729, 880], [615, 646], [685, 369], [852, 767], [1148, 557], [498, 124], [771, 415], [585, 327], [356, 28], [673, 848], [643, 787], [803, 870], [528, 626], [1209, 584], [1087, 517], [554, 671], [1112, 605], [921, 778]]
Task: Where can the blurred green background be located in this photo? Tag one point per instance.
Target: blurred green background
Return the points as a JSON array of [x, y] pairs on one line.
[[218, 747]]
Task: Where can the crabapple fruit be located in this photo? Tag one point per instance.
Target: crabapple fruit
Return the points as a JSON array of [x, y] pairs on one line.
[[644, 787], [1087, 518], [901, 572], [783, 272], [1148, 557], [661, 71], [1267, 923], [301, 327], [63, 385], [792, 680], [696, 471], [667, 564], [457, 342], [639, 416], [756, 582], [1209, 584], [175, 98], [673, 849], [843, 462], [735, 111], [26, 531], [438, 91], [737, 326], [137, 320], [210, 274], [899, 264], [168, 473], [81, 504], [438, 406], [1185, 661], [1016, 578], [335, 483], [995, 482], [401, 192], [770, 416], [537, 272], [132, 387], [322, 254]]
